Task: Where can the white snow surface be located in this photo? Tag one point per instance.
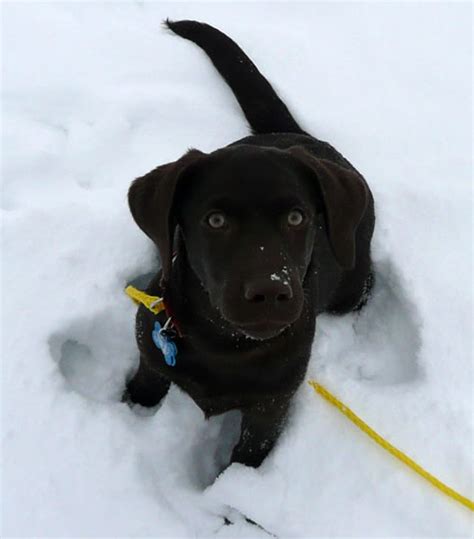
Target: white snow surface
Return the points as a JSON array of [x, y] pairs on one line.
[[95, 94]]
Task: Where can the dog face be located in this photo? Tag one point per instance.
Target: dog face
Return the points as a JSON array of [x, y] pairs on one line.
[[248, 217], [248, 223]]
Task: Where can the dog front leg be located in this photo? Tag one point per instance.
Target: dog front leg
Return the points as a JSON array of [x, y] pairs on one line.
[[147, 387], [261, 427]]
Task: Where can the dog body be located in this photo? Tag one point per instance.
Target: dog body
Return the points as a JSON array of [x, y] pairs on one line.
[[255, 240]]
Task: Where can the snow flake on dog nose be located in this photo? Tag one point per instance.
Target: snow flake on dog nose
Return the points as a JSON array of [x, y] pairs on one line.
[[283, 278]]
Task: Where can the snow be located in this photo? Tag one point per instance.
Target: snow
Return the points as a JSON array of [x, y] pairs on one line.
[[95, 94]]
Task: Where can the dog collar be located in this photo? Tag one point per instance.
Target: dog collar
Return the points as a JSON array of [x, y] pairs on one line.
[[162, 335]]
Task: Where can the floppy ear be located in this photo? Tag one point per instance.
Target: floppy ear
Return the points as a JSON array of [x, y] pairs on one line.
[[150, 198], [345, 196]]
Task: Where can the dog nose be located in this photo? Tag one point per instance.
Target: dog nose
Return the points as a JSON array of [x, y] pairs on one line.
[[267, 291]]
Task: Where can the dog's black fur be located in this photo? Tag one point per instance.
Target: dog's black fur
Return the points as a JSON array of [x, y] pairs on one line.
[[245, 294]]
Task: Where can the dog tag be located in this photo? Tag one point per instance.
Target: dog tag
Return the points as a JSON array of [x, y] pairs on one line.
[[165, 344]]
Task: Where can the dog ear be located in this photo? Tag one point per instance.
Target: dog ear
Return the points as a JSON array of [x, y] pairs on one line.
[[150, 198], [345, 196]]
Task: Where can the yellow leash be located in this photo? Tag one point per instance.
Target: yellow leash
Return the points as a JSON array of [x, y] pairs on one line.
[[155, 304], [389, 447]]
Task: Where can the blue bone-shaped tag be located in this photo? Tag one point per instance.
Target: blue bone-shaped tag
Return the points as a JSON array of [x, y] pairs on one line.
[[165, 344]]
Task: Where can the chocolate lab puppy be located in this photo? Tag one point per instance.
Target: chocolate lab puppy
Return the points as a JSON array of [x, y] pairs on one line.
[[256, 239]]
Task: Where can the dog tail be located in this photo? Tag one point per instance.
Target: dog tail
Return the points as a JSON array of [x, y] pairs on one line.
[[264, 110]]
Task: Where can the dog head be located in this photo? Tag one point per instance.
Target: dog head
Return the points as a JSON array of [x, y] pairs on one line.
[[248, 219]]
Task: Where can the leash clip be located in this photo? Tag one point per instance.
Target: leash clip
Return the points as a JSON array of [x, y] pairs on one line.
[[155, 303]]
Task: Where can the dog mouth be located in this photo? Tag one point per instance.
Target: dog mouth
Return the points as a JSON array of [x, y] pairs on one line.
[[262, 331]]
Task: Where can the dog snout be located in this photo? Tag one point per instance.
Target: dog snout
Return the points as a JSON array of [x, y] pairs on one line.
[[263, 306], [269, 292]]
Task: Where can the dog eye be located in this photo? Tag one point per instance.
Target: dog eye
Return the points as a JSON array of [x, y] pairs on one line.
[[216, 220], [295, 217]]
